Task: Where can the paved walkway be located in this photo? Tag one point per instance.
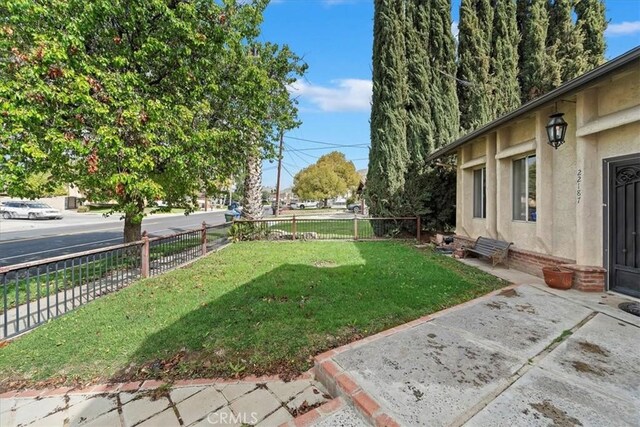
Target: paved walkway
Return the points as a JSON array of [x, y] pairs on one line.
[[522, 356], [198, 403]]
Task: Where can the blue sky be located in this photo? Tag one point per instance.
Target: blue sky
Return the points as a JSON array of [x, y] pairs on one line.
[[335, 39]]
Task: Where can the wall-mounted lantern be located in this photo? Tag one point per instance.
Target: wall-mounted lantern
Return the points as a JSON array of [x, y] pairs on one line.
[[556, 130]]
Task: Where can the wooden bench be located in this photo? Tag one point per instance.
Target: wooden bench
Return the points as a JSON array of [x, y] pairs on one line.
[[497, 250]]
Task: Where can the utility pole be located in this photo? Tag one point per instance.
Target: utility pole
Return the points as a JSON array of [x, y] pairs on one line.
[[277, 212]]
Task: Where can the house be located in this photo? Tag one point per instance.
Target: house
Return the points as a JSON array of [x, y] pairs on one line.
[[578, 205]]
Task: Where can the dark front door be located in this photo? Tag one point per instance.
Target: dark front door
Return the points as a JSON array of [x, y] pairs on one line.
[[624, 217]]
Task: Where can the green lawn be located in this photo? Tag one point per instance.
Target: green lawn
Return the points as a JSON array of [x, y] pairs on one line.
[[253, 308], [337, 229]]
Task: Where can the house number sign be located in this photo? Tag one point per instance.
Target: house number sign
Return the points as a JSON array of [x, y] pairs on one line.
[[579, 187]]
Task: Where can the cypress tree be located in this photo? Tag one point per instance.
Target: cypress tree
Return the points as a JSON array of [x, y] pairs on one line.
[[536, 76], [420, 84], [474, 51], [388, 156], [522, 11], [504, 58], [442, 50], [565, 40], [432, 111], [593, 23]]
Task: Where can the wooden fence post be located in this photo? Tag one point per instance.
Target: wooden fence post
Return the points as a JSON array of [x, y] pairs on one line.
[[419, 232], [204, 238], [144, 256], [293, 228], [355, 228]]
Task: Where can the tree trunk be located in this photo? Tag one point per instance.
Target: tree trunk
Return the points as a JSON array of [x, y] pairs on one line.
[[132, 229], [252, 201]]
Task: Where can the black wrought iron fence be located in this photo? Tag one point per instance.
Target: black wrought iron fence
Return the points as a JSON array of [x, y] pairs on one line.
[[35, 292]]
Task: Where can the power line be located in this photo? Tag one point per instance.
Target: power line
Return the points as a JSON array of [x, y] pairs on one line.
[[290, 165], [325, 148], [287, 171], [331, 144], [293, 151], [301, 158]]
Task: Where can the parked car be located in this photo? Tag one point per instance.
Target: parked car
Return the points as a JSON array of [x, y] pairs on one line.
[[29, 210], [309, 204], [303, 205], [339, 205], [355, 207]]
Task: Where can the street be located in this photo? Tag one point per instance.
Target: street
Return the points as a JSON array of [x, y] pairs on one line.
[[24, 240]]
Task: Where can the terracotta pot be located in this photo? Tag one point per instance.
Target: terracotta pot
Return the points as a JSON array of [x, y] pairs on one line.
[[557, 278]]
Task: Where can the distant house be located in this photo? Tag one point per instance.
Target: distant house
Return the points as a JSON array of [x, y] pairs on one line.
[[577, 206]]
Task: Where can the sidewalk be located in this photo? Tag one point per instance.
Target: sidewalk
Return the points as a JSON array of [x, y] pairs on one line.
[[264, 402], [522, 356]]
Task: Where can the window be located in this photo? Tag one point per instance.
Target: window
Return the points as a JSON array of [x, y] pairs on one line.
[[524, 189], [479, 193]]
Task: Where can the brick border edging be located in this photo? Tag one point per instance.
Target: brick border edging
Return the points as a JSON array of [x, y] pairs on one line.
[[133, 386], [340, 383]]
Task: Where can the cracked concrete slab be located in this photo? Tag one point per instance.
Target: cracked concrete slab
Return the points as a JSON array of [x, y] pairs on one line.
[[532, 318], [182, 393], [311, 395], [110, 419], [81, 411], [56, 419], [38, 409], [602, 354], [277, 418], [542, 398], [428, 375], [200, 405], [285, 391], [141, 409], [233, 391], [166, 418], [255, 405], [222, 417]]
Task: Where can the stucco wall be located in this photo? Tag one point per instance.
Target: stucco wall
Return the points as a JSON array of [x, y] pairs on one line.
[[478, 148], [566, 227], [563, 186], [622, 93], [522, 131]]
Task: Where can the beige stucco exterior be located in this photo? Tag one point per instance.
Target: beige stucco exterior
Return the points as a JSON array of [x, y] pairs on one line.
[[604, 123]]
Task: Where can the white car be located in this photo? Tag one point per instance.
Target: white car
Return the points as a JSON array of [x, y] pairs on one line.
[[29, 210], [305, 204]]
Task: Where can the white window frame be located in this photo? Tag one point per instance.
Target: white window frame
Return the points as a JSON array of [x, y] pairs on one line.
[[526, 187]]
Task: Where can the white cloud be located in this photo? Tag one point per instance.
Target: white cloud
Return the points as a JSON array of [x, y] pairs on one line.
[[454, 29], [343, 95], [623, 28]]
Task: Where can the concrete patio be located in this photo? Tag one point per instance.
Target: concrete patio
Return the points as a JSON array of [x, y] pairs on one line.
[[524, 356]]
